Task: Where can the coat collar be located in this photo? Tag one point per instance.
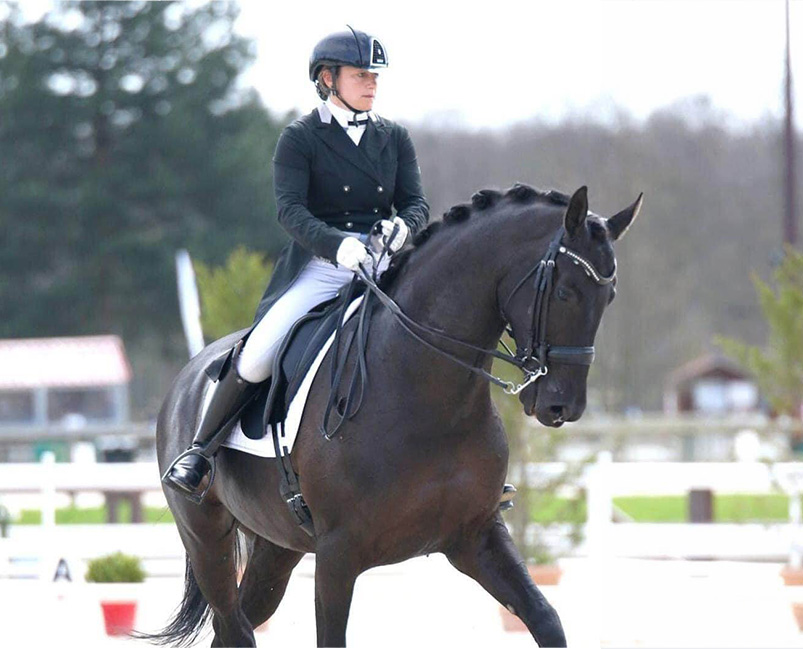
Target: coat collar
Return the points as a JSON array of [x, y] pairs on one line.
[[343, 116], [366, 156]]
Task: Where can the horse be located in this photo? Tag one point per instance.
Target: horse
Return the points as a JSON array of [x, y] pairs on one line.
[[420, 468]]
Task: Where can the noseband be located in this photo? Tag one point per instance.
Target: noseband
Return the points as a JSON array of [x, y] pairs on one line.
[[534, 359]]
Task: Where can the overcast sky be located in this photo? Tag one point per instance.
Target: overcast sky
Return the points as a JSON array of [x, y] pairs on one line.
[[492, 63]]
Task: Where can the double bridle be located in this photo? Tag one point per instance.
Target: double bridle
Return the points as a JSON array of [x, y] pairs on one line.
[[534, 359]]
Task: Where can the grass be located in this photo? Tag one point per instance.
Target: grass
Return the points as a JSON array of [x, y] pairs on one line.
[[93, 515], [728, 508], [548, 508]]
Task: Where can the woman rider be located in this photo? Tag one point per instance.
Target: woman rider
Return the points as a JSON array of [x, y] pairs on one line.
[[337, 170]]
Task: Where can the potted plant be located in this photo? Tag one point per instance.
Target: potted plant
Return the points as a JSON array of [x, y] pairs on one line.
[[118, 613]]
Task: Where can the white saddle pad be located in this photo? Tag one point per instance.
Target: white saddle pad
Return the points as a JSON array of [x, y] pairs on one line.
[[264, 447]]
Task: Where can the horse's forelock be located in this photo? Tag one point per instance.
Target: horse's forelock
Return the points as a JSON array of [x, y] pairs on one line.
[[599, 235], [597, 229]]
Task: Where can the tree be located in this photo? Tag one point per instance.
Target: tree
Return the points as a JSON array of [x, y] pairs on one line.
[[230, 293], [778, 368], [124, 137]]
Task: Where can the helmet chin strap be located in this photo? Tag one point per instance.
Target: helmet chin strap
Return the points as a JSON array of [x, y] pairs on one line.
[[334, 91], [347, 104]]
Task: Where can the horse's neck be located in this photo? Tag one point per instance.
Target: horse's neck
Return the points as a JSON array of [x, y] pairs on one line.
[[452, 288]]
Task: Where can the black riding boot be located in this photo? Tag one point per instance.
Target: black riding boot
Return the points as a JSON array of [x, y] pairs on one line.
[[232, 393]]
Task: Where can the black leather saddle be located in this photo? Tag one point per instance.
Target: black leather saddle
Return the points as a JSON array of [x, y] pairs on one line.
[[294, 359]]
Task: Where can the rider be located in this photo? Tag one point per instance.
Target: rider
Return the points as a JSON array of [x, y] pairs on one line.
[[337, 170]]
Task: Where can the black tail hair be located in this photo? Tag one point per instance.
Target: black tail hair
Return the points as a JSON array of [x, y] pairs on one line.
[[189, 621], [194, 613]]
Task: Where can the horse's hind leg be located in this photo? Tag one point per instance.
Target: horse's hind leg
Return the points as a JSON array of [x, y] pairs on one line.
[[209, 533], [265, 579], [491, 558]]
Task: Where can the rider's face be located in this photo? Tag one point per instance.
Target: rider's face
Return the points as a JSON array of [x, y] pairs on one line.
[[356, 86]]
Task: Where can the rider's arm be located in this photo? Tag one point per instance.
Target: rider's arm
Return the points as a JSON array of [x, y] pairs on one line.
[[408, 197], [291, 175]]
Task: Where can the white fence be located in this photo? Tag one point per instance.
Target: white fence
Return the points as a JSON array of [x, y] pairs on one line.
[[602, 481]]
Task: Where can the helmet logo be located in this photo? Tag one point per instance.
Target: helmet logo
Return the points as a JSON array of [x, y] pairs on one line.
[[378, 53]]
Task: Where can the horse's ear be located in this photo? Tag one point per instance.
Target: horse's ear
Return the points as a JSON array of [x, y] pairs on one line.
[[619, 223], [577, 211]]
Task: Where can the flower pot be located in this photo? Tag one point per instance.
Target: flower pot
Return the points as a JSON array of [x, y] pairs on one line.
[[797, 609], [792, 576], [545, 574], [119, 617]]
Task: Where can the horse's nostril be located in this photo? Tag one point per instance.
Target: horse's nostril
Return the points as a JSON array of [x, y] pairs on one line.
[[556, 410]]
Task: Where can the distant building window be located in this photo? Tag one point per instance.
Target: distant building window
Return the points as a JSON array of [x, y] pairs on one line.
[[718, 397], [16, 407], [91, 404]]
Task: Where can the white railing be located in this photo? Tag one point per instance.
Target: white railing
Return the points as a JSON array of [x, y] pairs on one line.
[[605, 479], [601, 481]]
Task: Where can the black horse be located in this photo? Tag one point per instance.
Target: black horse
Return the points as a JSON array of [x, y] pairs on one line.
[[421, 467]]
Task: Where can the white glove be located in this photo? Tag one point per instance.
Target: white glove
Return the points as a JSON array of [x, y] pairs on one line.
[[401, 235], [351, 253]]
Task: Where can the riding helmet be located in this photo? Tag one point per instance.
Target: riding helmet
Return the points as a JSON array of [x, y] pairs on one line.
[[349, 47]]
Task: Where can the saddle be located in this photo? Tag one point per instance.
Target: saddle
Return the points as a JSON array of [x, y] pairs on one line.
[[293, 360]]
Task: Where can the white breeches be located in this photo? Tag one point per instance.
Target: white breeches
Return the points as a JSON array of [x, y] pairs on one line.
[[318, 282]]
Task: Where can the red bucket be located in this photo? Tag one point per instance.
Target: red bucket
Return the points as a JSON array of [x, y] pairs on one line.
[[119, 617]]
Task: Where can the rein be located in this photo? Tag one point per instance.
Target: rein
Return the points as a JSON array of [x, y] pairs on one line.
[[533, 360]]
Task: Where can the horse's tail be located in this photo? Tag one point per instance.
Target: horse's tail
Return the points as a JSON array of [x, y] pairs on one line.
[[189, 620]]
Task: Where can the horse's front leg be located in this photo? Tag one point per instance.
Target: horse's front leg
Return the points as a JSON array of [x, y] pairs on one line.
[[335, 574], [490, 557]]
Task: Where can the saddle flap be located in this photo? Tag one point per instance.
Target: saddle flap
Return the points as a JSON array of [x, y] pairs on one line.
[[294, 359]]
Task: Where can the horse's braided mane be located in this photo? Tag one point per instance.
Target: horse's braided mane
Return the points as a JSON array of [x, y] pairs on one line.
[[481, 201]]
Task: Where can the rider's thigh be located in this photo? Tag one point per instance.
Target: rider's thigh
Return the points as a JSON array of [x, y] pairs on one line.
[[318, 282]]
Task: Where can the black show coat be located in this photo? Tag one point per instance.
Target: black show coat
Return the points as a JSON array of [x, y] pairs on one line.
[[326, 185]]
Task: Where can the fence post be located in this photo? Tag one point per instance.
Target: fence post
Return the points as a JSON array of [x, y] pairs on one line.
[[48, 492], [600, 505], [795, 558], [47, 556]]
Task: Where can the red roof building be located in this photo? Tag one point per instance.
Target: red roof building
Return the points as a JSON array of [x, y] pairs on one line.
[[63, 381]]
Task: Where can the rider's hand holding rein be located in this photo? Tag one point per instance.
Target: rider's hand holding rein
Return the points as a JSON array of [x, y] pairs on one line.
[[352, 253], [401, 236]]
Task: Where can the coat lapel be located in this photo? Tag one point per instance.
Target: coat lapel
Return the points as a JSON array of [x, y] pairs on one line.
[[364, 158], [374, 139]]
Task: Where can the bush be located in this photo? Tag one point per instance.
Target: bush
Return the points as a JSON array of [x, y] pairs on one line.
[[115, 568], [230, 293]]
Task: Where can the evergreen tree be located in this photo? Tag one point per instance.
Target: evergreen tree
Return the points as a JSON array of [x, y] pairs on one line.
[[230, 293], [779, 367], [123, 137]]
